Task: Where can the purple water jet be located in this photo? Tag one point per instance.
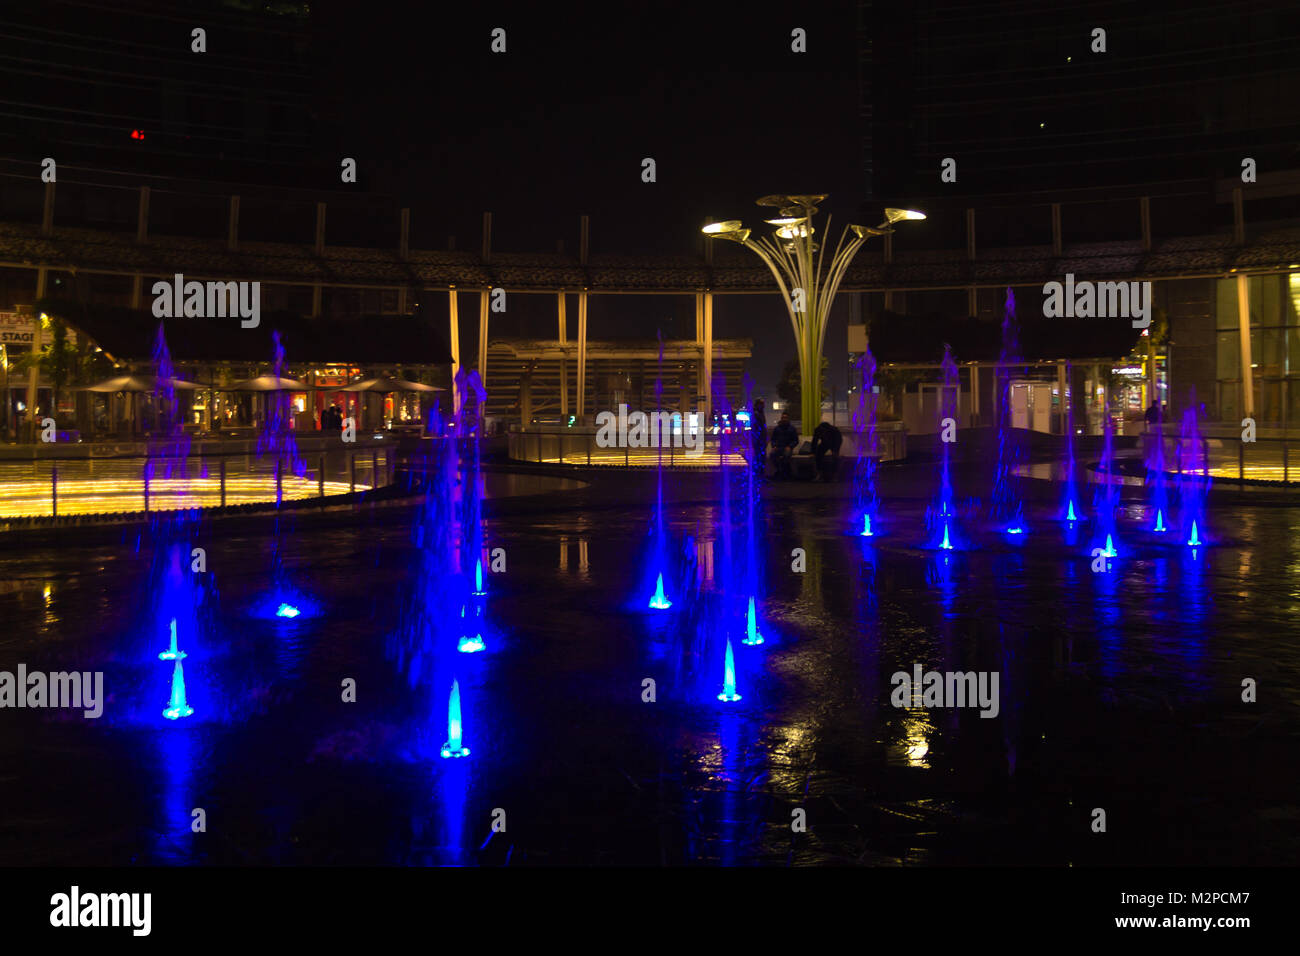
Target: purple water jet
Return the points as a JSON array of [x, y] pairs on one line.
[[864, 472], [1007, 510]]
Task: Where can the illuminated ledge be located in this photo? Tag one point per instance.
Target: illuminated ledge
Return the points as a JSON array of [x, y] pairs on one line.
[[30, 498]]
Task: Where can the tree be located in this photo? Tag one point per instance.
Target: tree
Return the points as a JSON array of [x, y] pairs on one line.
[[790, 387]]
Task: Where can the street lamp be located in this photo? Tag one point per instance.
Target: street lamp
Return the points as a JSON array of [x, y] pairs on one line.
[[807, 290]]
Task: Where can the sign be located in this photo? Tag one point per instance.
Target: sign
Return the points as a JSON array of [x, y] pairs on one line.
[[17, 329]]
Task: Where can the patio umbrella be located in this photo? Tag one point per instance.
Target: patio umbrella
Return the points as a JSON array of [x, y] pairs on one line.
[[385, 384], [269, 383], [140, 383]]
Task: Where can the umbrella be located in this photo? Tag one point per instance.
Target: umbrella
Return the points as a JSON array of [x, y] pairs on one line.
[[385, 384], [140, 383], [269, 383]]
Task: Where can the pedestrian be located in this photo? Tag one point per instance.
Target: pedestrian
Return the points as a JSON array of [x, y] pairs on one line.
[[826, 441]]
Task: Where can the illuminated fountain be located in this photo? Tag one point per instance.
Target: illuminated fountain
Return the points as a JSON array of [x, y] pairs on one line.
[[752, 573], [454, 747], [466, 644], [1007, 510], [751, 626], [729, 677], [659, 601], [1070, 510], [278, 444], [177, 707], [169, 445], [659, 546], [1193, 477], [864, 425], [1155, 479], [1106, 500], [173, 653], [471, 539], [941, 517]]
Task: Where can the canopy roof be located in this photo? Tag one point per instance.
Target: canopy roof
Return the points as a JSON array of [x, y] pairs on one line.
[[920, 339], [128, 335]]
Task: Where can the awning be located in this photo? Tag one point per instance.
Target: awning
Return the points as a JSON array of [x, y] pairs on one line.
[[128, 335]]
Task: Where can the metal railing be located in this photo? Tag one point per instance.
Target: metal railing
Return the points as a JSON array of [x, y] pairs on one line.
[[558, 445], [1226, 457], [90, 484]]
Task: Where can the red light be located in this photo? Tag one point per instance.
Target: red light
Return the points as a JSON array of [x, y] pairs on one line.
[[137, 134]]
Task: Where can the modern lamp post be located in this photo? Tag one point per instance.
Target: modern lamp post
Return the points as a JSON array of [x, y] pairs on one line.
[[807, 290]]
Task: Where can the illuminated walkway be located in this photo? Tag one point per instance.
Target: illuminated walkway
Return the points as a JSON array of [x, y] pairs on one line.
[[31, 497]]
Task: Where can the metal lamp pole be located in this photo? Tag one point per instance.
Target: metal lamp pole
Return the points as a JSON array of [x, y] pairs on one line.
[[808, 290]]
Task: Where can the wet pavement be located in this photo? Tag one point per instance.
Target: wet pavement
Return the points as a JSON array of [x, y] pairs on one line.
[[1120, 691]]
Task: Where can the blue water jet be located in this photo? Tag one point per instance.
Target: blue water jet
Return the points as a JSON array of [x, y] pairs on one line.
[[1071, 513], [728, 678], [1193, 476], [454, 747], [1007, 510], [866, 498], [1106, 498], [287, 610], [658, 549], [172, 653], [466, 644], [940, 517], [178, 708], [752, 636], [660, 601], [1155, 475]]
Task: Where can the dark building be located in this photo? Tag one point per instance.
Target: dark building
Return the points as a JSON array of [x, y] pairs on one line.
[[1101, 141]]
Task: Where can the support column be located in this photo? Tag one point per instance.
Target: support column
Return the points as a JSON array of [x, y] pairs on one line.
[[137, 290], [564, 361], [320, 228], [142, 216], [1056, 229], [482, 345], [42, 277], [453, 339], [232, 231], [975, 395], [582, 355], [1061, 387], [1238, 218], [47, 214], [320, 251], [1144, 210], [707, 415], [1243, 317], [526, 398]]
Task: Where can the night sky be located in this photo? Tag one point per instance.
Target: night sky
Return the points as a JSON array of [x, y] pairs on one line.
[[558, 126]]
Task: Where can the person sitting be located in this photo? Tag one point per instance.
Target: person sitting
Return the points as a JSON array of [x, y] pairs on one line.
[[785, 439], [826, 443], [758, 435]]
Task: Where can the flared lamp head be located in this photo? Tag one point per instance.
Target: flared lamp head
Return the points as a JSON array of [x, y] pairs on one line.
[[899, 215]]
